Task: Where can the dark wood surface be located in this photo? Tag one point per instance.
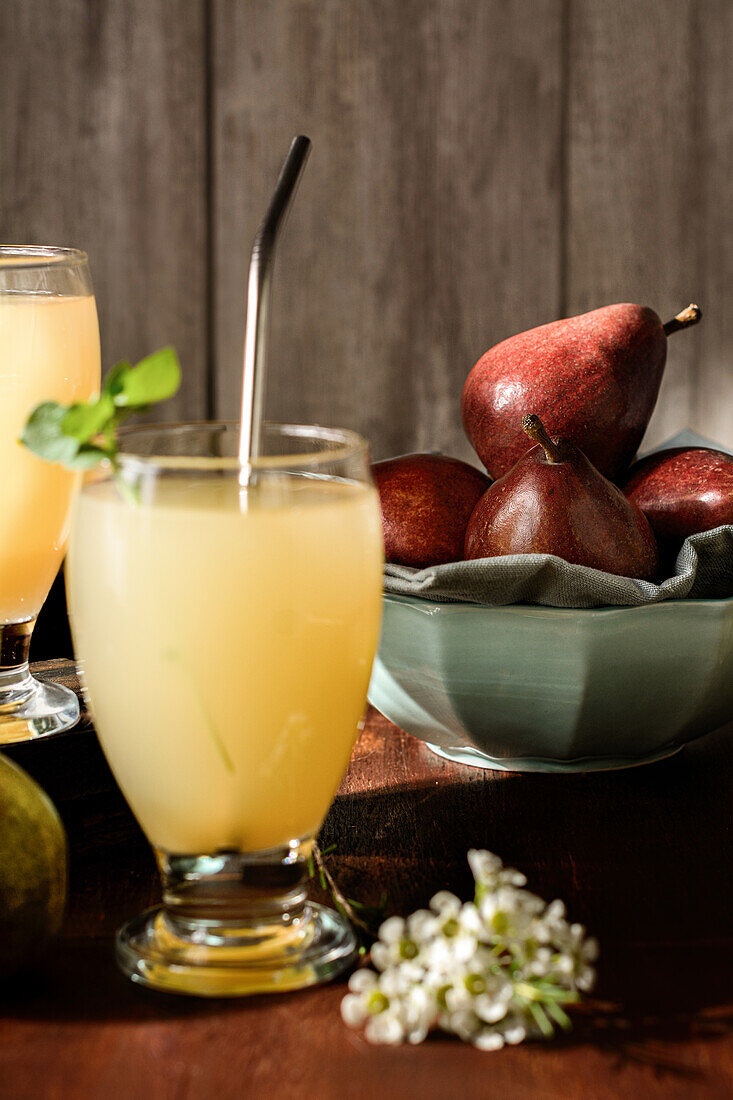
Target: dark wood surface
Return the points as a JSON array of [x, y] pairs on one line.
[[643, 857], [479, 167]]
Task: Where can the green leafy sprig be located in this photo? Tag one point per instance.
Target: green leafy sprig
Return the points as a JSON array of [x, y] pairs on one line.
[[494, 971], [82, 435], [364, 918]]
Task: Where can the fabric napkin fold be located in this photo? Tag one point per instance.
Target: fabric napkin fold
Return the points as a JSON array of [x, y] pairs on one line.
[[703, 570]]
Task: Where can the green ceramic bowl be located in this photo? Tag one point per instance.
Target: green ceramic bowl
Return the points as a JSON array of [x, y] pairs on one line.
[[527, 688]]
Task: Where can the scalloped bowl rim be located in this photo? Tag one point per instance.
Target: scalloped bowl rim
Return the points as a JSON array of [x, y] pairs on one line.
[[431, 607]]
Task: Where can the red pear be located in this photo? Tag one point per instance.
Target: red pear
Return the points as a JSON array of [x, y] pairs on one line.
[[426, 503], [554, 501], [594, 377], [683, 490]]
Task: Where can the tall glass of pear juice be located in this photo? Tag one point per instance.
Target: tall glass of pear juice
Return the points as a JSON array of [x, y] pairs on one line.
[[226, 635], [49, 350]]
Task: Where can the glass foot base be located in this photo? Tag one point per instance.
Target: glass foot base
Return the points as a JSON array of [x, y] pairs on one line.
[[474, 758], [43, 709], [214, 961]]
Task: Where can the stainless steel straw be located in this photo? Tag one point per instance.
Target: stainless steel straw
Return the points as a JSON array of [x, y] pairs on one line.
[[258, 293]]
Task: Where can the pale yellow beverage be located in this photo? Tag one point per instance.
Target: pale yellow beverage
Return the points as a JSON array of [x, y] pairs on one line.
[[226, 648], [49, 351]]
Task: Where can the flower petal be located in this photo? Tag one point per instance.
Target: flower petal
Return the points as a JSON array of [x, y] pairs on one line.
[[484, 865], [384, 1028], [392, 930], [488, 1040], [515, 1034], [353, 1010], [445, 903], [362, 980]]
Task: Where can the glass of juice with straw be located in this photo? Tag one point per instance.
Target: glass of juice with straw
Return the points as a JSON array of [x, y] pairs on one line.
[[226, 636]]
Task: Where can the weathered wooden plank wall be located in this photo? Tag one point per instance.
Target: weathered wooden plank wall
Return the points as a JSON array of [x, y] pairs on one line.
[[650, 217], [479, 166], [103, 146], [422, 231]]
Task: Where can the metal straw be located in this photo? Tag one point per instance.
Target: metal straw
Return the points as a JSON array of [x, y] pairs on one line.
[[258, 293]]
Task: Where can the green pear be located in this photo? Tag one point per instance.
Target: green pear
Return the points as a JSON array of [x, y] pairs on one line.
[[33, 869]]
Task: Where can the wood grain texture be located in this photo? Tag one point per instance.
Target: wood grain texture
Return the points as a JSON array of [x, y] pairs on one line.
[[713, 393], [477, 169], [648, 147], [423, 230], [103, 147], [641, 856]]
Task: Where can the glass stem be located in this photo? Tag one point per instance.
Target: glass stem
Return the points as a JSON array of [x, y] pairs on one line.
[[16, 682], [235, 895]]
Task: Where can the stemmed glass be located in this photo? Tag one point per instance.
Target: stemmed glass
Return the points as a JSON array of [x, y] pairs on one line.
[[226, 638], [49, 350]]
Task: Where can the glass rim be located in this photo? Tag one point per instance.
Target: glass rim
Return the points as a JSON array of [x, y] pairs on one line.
[[347, 444], [29, 256]]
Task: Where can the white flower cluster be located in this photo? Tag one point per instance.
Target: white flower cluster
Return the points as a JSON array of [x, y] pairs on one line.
[[494, 970]]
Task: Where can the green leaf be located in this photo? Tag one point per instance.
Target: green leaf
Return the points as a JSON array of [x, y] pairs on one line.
[[556, 992], [43, 434], [540, 1018], [155, 378], [82, 435], [90, 456], [115, 381], [559, 1015], [86, 419]]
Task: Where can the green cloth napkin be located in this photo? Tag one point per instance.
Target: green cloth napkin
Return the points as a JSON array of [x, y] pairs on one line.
[[703, 570]]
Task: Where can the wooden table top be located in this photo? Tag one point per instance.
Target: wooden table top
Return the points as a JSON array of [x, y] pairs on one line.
[[642, 857]]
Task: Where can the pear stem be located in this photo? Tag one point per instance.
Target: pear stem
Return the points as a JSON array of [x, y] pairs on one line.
[[689, 316], [535, 429]]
